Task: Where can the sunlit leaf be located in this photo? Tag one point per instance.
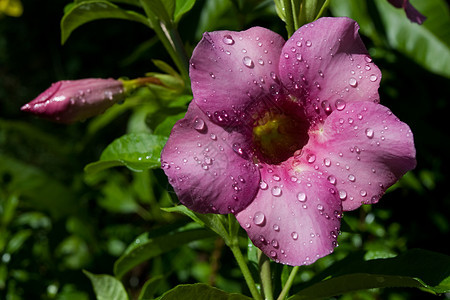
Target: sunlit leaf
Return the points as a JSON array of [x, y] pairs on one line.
[[88, 11], [136, 151], [182, 7], [107, 287], [427, 44]]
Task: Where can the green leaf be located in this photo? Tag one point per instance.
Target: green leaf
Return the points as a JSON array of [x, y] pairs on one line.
[[146, 247], [149, 288], [415, 268], [427, 44], [199, 291], [88, 11], [107, 287], [136, 151], [165, 127], [182, 7], [212, 221]]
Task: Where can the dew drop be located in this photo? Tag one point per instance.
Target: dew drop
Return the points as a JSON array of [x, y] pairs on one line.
[[352, 82], [237, 148], [276, 227], [199, 124], [275, 244], [259, 218], [308, 43], [228, 39], [369, 133], [273, 254], [327, 162], [294, 235], [363, 193], [263, 185], [332, 179], [342, 195], [351, 177], [340, 104], [248, 62], [212, 75], [301, 197], [276, 191], [373, 78], [311, 158]]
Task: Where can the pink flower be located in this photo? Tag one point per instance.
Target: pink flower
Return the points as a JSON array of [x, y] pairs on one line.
[[286, 135], [69, 101], [412, 13]]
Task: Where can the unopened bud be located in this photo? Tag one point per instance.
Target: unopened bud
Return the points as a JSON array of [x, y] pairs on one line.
[[69, 101]]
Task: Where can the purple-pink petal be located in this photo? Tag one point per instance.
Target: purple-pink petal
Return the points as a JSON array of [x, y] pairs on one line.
[[230, 69], [413, 14], [69, 101], [207, 166], [324, 63], [362, 150], [295, 217]]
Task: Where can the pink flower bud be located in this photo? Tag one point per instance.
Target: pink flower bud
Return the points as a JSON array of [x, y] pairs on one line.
[[69, 101], [413, 14]]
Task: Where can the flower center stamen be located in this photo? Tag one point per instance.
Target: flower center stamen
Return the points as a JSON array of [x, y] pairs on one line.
[[276, 136]]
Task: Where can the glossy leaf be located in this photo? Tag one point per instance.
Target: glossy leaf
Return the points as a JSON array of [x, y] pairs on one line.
[[416, 268], [107, 287], [427, 44], [146, 247], [149, 288], [199, 291], [165, 127], [212, 221], [136, 151], [182, 7], [88, 11]]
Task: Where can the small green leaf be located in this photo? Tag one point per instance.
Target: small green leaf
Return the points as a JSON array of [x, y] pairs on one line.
[[136, 151], [199, 291], [165, 127], [88, 11], [211, 221], [146, 247], [422, 269], [426, 44], [182, 7], [149, 288], [107, 287]]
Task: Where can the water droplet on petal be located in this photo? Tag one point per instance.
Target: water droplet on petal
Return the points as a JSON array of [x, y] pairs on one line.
[[369, 133], [199, 124], [332, 179], [363, 193], [352, 81], [228, 39], [327, 162], [248, 62], [263, 185], [373, 78], [276, 191], [294, 235], [340, 104], [276, 227], [342, 195], [273, 254], [259, 218], [237, 148], [301, 197], [320, 207], [351, 177], [308, 43], [311, 158]]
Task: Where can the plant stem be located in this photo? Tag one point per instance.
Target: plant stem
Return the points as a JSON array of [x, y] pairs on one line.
[[169, 37], [288, 17], [288, 284], [266, 275], [245, 271]]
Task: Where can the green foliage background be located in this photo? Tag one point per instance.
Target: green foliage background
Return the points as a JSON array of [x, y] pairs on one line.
[[57, 220]]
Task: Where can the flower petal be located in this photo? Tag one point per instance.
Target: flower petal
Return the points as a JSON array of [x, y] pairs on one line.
[[325, 63], [228, 69], [295, 218], [207, 166], [362, 150]]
